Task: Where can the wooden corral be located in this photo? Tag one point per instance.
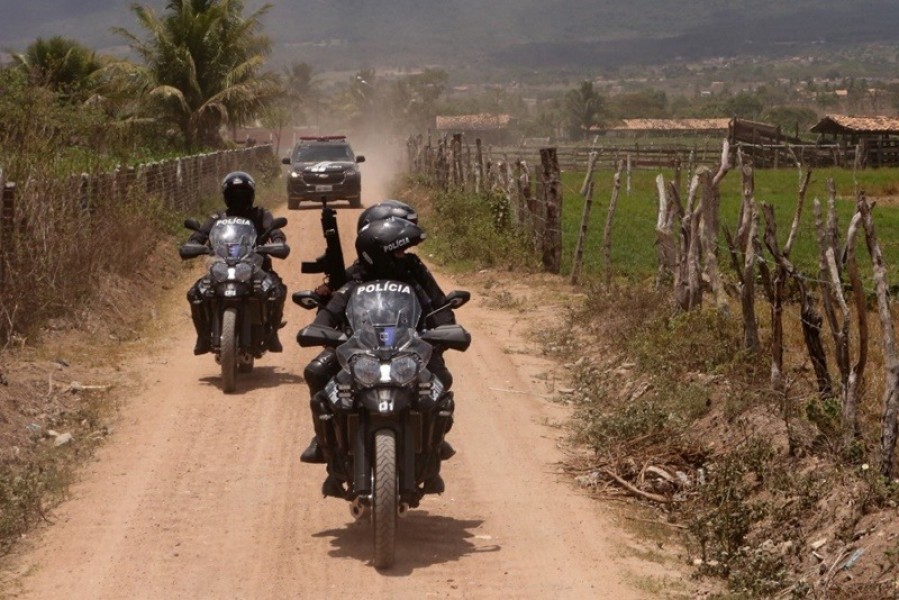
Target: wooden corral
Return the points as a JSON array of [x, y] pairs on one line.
[[875, 140], [490, 128], [765, 144]]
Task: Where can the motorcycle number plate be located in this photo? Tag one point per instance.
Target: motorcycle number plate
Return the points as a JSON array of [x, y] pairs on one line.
[[230, 293], [324, 188]]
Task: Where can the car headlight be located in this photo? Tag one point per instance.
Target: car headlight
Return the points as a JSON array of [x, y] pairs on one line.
[[295, 174], [366, 369], [403, 369]]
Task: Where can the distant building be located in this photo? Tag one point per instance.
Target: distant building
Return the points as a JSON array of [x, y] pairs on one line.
[[874, 139], [490, 128], [664, 127]]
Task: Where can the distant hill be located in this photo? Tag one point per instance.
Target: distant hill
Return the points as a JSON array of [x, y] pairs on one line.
[[518, 33]]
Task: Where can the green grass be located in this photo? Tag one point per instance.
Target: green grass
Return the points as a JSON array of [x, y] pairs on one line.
[[633, 230]]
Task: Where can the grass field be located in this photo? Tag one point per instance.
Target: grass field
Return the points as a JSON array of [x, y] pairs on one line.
[[633, 231]]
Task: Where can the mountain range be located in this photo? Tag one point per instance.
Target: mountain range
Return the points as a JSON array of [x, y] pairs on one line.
[[536, 34]]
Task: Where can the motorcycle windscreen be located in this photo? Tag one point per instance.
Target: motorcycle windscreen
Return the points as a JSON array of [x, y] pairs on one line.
[[232, 237], [389, 308]]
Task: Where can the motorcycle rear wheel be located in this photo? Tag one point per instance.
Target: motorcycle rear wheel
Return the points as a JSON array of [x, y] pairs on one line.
[[229, 349], [385, 498]]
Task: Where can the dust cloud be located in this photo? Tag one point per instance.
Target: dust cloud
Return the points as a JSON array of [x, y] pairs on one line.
[[385, 158]]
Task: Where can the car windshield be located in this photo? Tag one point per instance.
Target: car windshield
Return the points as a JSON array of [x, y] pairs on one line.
[[316, 153]]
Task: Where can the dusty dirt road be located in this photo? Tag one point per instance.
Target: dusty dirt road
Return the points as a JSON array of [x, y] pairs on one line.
[[198, 494]]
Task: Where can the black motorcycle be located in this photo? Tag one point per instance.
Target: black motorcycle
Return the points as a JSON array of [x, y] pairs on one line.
[[235, 292], [388, 414]]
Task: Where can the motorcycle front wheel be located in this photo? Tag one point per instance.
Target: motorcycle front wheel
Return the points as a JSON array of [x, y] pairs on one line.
[[229, 349], [384, 498]]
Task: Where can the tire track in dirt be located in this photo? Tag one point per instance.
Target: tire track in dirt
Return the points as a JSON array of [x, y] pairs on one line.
[[198, 494]]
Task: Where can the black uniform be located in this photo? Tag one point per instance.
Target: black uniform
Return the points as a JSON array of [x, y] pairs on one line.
[[325, 366], [262, 220]]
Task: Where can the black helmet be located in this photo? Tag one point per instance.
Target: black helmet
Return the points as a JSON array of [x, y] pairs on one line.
[[386, 209], [239, 191], [378, 242]]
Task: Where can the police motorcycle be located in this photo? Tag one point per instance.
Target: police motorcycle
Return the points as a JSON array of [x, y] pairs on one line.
[[235, 291], [386, 413]]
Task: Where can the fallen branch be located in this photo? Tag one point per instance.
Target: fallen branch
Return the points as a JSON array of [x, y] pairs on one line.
[[637, 491]]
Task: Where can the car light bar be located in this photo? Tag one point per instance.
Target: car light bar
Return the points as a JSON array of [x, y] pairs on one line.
[[322, 138]]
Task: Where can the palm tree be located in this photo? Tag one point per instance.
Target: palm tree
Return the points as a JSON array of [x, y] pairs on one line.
[[60, 64], [301, 88], [583, 107], [201, 66]]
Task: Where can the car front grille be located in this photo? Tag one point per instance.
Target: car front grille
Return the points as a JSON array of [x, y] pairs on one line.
[[323, 178]]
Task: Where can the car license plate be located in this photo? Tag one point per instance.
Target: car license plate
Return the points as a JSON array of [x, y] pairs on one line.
[[324, 188]]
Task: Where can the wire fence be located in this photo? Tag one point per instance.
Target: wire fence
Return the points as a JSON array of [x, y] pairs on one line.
[[58, 236], [686, 233]]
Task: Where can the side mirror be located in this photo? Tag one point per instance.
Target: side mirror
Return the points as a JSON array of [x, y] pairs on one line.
[[360, 159], [453, 337], [454, 299], [307, 299], [285, 160], [318, 335], [192, 224], [457, 298]]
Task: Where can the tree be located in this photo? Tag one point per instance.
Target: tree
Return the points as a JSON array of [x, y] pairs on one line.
[[419, 94], [745, 104], [793, 120], [202, 67], [301, 89], [61, 64], [645, 104], [583, 107]]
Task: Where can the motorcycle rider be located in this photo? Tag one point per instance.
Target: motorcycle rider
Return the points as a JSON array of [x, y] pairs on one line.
[[239, 194], [376, 212], [386, 209], [382, 250]]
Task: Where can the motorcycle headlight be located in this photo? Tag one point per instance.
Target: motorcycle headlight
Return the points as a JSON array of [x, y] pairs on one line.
[[366, 369], [403, 369], [244, 272]]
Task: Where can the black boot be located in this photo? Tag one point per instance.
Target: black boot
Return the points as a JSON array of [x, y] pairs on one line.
[[445, 451], [276, 312], [313, 453], [274, 344], [433, 485], [333, 487], [201, 324], [202, 346]]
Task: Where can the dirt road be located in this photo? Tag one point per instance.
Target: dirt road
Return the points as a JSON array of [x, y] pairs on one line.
[[198, 494]]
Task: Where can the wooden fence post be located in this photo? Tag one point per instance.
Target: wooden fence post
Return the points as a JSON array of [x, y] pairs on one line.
[[458, 174], [551, 177], [585, 219], [607, 232], [7, 221]]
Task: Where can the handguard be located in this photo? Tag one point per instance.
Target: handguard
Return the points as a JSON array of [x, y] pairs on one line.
[[453, 337], [276, 250], [193, 250]]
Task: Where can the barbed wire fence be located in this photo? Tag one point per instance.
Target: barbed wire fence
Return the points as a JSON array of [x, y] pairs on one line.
[[691, 257], [58, 234]]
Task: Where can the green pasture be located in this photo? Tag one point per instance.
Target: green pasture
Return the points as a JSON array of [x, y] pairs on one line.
[[633, 229]]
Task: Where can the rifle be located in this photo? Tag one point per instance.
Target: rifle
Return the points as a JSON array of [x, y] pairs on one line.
[[331, 262]]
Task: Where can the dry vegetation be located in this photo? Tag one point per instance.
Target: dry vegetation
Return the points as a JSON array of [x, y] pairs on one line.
[[678, 415]]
